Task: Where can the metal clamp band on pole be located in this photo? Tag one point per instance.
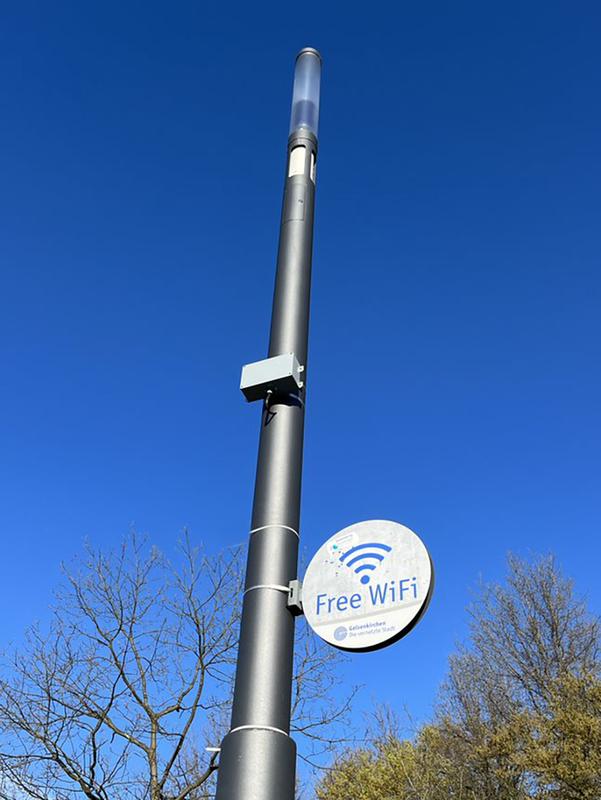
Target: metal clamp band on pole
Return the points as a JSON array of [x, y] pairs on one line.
[[259, 728], [264, 766], [274, 586], [274, 525]]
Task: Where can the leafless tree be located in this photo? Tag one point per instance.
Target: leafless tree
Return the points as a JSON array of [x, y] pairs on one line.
[[121, 695]]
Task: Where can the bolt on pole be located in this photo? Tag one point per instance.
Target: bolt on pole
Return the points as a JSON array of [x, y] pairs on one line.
[[258, 756]]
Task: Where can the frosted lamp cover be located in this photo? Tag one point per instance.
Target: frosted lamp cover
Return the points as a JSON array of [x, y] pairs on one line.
[[305, 96]]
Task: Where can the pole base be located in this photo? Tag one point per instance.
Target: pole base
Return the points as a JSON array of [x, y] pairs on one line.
[[256, 764]]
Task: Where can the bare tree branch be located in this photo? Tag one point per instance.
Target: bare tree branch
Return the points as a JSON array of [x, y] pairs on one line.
[[120, 696]]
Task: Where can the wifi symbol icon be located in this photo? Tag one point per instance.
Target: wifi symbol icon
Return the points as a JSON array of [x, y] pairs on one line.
[[365, 557]]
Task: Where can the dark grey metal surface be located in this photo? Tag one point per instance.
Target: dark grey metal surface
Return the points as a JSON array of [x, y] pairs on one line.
[[258, 757], [262, 765]]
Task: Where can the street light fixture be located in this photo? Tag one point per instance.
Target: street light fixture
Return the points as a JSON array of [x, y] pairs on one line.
[[258, 756]]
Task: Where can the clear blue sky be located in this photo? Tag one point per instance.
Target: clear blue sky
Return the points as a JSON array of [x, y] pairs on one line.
[[454, 370]]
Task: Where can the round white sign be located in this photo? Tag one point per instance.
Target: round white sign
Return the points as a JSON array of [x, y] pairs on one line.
[[368, 585]]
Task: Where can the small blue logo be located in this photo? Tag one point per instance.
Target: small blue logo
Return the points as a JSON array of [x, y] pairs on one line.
[[340, 633], [365, 558]]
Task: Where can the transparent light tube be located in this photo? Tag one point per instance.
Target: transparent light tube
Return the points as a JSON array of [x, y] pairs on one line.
[[305, 95]]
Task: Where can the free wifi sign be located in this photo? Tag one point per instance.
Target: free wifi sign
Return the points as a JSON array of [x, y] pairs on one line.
[[368, 585]]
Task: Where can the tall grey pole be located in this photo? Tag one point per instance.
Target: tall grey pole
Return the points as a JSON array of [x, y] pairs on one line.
[[258, 756]]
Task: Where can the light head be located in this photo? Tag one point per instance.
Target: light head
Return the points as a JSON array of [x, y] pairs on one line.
[[305, 95]]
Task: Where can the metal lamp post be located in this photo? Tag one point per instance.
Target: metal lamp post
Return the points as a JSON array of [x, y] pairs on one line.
[[258, 756]]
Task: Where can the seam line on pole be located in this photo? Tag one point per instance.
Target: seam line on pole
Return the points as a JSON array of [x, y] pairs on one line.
[[277, 586], [260, 728], [275, 525]]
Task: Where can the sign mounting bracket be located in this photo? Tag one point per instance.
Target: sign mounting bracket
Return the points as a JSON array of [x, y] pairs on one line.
[[295, 598]]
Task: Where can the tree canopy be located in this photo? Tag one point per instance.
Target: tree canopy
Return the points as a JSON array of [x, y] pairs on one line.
[[519, 715]]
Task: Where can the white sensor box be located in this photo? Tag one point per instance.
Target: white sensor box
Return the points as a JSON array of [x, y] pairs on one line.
[[279, 374]]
